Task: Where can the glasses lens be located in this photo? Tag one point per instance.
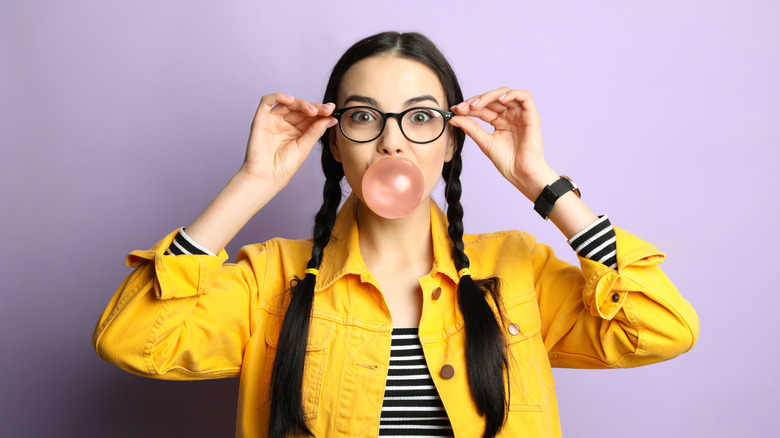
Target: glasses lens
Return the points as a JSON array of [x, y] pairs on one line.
[[361, 123], [422, 124]]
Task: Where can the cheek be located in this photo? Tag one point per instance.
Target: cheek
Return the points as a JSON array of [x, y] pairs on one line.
[[432, 177], [432, 167], [354, 169]]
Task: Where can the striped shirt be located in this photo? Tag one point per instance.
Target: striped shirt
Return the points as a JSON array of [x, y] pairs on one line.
[[411, 407]]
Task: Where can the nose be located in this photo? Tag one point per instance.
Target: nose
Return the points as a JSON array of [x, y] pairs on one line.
[[392, 140]]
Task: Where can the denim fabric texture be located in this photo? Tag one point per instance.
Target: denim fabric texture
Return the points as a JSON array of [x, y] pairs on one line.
[[197, 317]]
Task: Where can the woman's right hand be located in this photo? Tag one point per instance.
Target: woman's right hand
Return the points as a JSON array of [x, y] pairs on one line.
[[284, 131]]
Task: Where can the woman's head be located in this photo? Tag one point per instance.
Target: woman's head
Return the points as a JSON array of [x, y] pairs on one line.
[[402, 53]]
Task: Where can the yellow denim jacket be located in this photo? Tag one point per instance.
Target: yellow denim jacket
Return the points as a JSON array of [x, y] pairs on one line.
[[197, 317]]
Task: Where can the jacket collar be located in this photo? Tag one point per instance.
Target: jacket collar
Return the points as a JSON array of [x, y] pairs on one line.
[[342, 255]]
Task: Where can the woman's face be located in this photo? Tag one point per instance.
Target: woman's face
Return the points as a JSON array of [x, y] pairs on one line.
[[391, 84]]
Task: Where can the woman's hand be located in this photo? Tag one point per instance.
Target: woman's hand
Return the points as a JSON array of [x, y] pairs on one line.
[[515, 146], [284, 131]]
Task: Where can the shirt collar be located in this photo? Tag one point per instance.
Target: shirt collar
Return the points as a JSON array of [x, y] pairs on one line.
[[342, 255]]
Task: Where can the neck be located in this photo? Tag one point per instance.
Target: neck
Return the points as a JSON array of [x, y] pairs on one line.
[[407, 239]]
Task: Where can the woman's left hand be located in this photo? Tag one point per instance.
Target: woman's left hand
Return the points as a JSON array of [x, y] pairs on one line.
[[515, 146]]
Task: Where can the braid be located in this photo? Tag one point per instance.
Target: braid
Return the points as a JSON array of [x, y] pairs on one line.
[[485, 343], [287, 414], [453, 190]]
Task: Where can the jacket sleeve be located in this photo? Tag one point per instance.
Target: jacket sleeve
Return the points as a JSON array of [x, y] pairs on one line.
[[599, 317], [182, 317]]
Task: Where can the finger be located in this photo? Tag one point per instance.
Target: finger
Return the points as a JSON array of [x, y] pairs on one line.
[[295, 117], [300, 105], [487, 98], [464, 106], [461, 108], [521, 97], [268, 101], [479, 101], [472, 128], [323, 110], [496, 107], [313, 132], [484, 114]]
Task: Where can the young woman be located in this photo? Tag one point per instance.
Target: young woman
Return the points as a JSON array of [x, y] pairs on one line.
[[399, 326]]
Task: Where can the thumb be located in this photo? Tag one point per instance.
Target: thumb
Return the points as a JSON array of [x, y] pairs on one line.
[[472, 128]]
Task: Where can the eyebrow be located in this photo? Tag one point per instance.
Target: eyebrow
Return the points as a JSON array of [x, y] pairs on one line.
[[361, 99], [373, 102], [419, 99]]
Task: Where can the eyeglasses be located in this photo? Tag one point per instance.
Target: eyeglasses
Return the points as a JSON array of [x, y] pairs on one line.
[[362, 124]]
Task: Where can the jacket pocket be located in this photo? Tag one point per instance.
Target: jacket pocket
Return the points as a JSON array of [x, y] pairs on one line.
[[317, 351], [530, 375]]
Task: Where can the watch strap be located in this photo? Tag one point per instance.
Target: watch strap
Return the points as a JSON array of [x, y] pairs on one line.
[[546, 200]]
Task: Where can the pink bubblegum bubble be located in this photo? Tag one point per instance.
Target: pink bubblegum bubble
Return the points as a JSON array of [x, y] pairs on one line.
[[393, 187]]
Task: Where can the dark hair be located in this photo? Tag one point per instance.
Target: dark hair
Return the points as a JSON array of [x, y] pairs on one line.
[[485, 343]]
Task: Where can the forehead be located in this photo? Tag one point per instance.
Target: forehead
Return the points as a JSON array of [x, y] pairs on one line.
[[390, 81]]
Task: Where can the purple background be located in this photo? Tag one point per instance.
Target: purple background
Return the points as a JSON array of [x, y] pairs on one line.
[[120, 122]]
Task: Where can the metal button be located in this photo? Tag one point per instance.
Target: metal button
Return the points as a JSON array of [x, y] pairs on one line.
[[447, 371], [513, 329], [615, 297], [436, 293]]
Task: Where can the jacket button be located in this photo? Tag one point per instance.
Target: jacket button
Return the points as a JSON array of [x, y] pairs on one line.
[[615, 297], [513, 329], [436, 293], [447, 371]]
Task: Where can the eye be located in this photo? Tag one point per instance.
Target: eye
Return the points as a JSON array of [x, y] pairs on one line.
[[362, 116], [422, 116]]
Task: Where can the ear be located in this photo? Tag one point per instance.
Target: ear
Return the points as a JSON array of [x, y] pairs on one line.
[[450, 153], [334, 148]]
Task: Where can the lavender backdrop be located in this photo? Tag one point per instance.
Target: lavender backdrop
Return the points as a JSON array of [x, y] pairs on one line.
[[119, 121]]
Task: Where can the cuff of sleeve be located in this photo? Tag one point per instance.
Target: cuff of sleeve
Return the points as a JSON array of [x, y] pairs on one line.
[[596, 242], [605, 289], [192, 246], [178, 276]]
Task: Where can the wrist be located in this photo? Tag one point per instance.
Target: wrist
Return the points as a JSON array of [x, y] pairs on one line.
[[551, 193], [254, 182], [532, 185]]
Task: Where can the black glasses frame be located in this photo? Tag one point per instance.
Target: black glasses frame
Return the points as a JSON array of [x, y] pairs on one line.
[[447, 115]]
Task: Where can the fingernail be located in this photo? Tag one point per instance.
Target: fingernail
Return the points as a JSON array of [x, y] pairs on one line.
[[461, 105], [453, 123], [288, 96], [330, 105], [332, 123], [475, 102], [312, 107], [502, 96]]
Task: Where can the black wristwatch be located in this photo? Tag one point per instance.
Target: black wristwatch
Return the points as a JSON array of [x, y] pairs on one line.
[[544, 203]]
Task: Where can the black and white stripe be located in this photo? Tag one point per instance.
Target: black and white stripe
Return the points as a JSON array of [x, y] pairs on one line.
[[597, 242], [411, 407], [183, 244]]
